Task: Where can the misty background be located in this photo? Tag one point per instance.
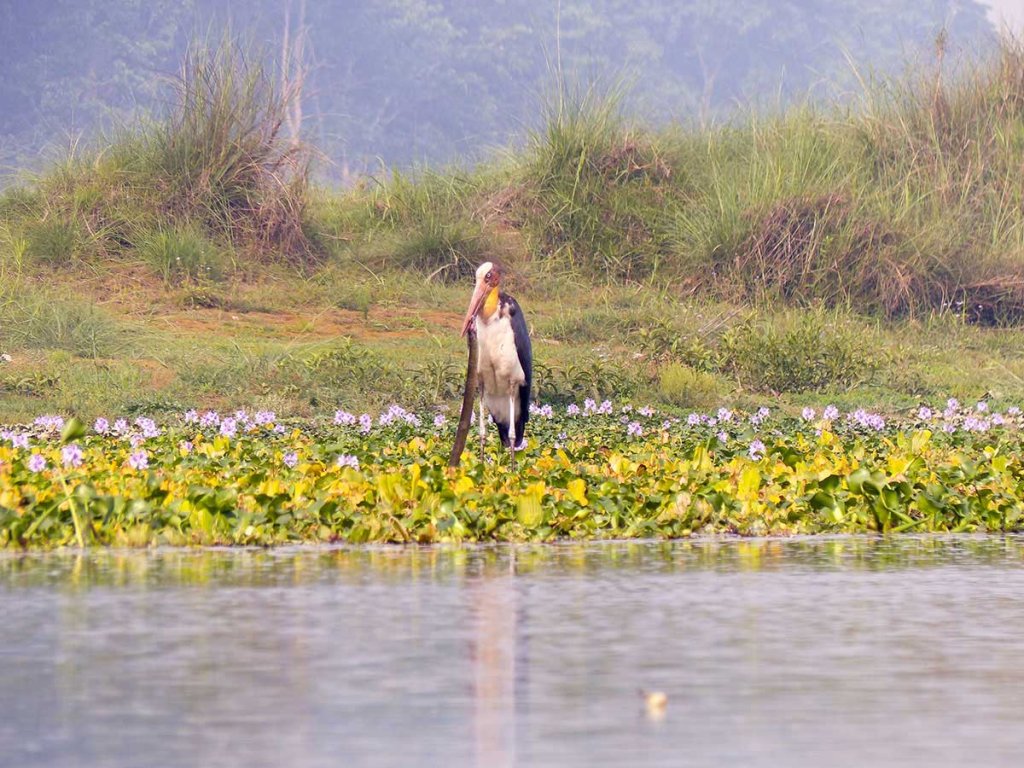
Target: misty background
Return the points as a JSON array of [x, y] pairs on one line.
[[397, 83]]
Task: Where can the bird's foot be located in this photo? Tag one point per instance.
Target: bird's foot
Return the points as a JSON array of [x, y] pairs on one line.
[[521, 445]]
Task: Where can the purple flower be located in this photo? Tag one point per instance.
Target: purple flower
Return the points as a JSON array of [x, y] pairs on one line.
[[973, 424], [589, 406], [634, 429], [185, 446], [262, 418], [50, 422], [101, 426], [209, 419], [605, 407], [229, 427], [998, 420], [279, 429], [139, 460], [191, 417], [865, 419], [20, 441], [948, 428], [627, 408], [758, 418], [147, 427], [831, 413], [365, 423], [572, 409], [693, 419], [981, 407], [646, 411], [71, 455], [724, 414], [1013, 410], [722, 437], [546, 411], [347, 460], [807, 414], [439, 421], [290, 459], [924, 413], [756, 450], [120, 426], [36, 462]]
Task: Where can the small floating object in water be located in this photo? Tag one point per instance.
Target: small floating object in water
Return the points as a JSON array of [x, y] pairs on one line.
[[655, 703]]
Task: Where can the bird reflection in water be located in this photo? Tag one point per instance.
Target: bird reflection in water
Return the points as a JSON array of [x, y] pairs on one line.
[[498, 652]]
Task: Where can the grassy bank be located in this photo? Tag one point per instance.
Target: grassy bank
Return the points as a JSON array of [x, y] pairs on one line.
[[869, 255]]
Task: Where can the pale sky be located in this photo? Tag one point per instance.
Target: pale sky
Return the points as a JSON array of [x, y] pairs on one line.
[[1008, 12]]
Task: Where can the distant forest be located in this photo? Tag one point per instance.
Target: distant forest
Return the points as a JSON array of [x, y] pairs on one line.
[[394, 83]]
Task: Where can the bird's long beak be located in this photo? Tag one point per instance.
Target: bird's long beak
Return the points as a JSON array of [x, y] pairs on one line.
[[479, 294]]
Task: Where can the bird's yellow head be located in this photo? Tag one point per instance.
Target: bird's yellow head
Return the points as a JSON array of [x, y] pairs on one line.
[[485, 294]]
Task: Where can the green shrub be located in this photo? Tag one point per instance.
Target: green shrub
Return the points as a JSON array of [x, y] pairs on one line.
[[353, 297], [54, 242], [686, 387], [597, 379], [181, 254], [447, 251], [800, 352], [34, 319]]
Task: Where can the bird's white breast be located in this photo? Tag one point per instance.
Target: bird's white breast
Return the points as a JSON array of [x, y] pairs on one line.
[[498, 364]]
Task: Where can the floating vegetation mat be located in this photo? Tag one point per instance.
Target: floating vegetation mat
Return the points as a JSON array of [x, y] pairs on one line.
[[590, 471]]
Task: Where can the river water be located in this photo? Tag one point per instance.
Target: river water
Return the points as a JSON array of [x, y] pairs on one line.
[[807, 652]]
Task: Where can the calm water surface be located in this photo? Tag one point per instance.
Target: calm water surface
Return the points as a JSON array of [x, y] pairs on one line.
[[842, 652]]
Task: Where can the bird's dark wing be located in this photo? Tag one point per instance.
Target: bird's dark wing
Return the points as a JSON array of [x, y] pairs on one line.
[[523, 349]]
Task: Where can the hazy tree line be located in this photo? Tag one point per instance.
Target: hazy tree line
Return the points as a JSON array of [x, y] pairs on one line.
[[404, 81]]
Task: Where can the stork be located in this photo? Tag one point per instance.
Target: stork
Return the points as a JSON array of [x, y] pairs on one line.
[[504, 359]]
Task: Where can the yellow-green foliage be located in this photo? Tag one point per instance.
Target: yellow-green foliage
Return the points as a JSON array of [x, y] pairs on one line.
[[685, 387], [582, 476]]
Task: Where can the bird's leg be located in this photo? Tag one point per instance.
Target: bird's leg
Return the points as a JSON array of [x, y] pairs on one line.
[[483, 425], [512, 430]]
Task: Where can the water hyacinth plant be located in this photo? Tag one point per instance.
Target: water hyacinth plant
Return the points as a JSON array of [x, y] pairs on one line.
[[590, 472]]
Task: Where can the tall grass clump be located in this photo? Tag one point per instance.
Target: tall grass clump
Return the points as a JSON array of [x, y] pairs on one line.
[[441, 225], [592, 187], [181, 254], [220, 156], [217, 163], [33, 318], [943, 154], [907, 204]]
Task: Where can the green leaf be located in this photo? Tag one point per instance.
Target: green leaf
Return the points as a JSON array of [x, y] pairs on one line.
[[73, 430]]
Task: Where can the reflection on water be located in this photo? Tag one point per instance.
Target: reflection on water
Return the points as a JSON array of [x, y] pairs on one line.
[[847, 651]]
